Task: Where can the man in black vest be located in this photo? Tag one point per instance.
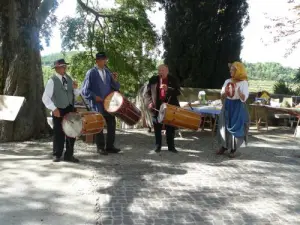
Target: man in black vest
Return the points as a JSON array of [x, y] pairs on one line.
[[162, 89], [59, 98]]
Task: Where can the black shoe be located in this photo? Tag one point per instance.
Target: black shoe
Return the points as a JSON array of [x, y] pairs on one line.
[[102, 151], [173, 150], [71, 159], [157, 149], [56, 159], [113, 150], [232, 154]]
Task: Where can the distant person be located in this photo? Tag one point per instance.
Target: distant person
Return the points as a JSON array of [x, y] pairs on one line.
[[234, 117], [162, 88], [59, 97], [100, 82]]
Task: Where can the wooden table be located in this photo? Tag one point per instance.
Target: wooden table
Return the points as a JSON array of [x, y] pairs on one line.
[[211, 111], [258, 118], [291, 111]]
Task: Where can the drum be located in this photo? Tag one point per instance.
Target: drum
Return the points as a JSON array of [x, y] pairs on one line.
[[117, 105], [82, 123], [178, 117]]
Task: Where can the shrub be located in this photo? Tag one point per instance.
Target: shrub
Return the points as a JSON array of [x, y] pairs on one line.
[[281, 87]]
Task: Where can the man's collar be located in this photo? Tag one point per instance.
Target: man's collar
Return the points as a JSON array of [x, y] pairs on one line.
[[100, 68], [59, 75]]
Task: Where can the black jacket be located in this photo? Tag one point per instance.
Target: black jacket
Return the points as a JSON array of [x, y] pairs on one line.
[[152, 92]]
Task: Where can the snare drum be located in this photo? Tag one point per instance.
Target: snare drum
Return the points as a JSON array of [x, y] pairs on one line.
[[178, 117], [117, 105], [82, 123]]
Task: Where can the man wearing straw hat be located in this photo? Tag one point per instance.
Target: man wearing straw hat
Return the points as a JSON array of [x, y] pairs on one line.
[[59, 98]]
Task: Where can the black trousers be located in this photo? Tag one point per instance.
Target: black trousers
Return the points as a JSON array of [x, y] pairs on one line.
[[59, 137], [111, 133], [170, 134]]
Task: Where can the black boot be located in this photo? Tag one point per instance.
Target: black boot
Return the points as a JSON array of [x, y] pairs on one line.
[[102, 151], [113, 150], [157, 149], [232, 153]]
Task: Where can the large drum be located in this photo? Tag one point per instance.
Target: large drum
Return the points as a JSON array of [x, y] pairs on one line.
[[117, 105], [82, 123], [178, 117]]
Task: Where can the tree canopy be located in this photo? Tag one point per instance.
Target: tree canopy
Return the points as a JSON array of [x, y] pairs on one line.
[[287, 27], [128, 37]]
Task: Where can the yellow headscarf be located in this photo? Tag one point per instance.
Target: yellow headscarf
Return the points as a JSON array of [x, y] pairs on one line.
[[241, 73]]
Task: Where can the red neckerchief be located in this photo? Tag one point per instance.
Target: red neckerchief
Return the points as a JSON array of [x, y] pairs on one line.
[[162, 92]]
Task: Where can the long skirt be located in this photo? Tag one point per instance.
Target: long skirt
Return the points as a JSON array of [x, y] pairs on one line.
[[233, 125]]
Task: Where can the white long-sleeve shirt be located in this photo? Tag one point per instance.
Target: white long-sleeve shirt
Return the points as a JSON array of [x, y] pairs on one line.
[[242, 85], [48, 93], [102, 74]]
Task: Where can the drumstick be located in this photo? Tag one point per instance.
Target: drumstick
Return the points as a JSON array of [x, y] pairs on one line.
[[189, 103], [86, 106]]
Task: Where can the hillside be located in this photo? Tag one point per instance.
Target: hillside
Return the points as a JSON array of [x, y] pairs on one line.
[[48, 60], [262, 76]]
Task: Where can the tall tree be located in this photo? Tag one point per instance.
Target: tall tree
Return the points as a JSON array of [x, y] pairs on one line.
[[21, 23], [201, 37], [128, 38]]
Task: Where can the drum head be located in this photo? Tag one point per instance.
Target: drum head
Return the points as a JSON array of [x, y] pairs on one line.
[[162, 112], [72, 125], [113, 102]]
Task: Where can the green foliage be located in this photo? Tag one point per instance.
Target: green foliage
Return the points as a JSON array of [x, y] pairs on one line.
[[47, 19], [47, 73], [297, 76], [48, 60], [270, 71], [126, 35], [201, 37]]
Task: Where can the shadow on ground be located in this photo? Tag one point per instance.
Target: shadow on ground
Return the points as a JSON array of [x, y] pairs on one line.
[[260, 186]]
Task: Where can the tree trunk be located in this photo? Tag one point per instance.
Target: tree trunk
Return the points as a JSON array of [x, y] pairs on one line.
[[22, 70]]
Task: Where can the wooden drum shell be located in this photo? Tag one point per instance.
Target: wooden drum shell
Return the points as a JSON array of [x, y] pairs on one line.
[[178, 117], [123, 109], [92, 122], [82, 123]]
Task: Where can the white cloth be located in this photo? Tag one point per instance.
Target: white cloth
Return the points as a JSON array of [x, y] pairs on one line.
[[102, 74], [48, 93], [242, 85]]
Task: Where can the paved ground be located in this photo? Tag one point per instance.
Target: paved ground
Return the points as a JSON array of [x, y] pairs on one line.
[[260, 187]]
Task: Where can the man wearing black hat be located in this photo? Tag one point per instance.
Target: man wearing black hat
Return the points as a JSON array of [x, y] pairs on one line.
[[100, 82], [59, 98]]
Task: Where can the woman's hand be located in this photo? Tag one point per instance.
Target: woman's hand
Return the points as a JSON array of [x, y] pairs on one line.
[[242, 96]]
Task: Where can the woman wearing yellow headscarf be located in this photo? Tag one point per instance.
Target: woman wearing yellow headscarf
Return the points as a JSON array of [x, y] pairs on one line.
[[234, 117]]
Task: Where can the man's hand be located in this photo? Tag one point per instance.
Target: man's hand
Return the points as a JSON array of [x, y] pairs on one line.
[[98, 99], [165, 87], [115, 76], [75, 85], [151, 106], [56, 113]]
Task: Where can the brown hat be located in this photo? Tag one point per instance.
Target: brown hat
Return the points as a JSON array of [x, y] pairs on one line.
[[59, 63]]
